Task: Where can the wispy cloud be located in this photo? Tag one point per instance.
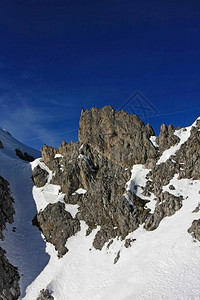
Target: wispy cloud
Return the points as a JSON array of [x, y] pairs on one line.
[[28, 114], [28, 75], [59, 103], [24, 121]]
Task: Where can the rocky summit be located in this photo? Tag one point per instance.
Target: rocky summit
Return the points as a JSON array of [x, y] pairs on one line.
[[118, 211]]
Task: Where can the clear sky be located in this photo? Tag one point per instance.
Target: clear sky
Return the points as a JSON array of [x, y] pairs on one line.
[[57, 56]]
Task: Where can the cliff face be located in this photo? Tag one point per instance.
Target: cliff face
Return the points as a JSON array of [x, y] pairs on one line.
[[121, 137], [93, 174], [9, 276]]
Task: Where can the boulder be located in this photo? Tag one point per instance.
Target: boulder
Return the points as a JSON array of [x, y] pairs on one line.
[[40, 176], [57, 225]]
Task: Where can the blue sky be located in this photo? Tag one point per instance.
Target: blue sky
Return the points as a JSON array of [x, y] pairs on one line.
[[59, 56]]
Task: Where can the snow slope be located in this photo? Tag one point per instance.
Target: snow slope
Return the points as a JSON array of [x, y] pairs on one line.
[[10, 144], [161, 264], [25, 248]]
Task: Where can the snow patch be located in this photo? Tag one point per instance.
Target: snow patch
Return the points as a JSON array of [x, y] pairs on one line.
[[153, 140], [137, 182], [58, 156], [183, 134], [72, 209], [79, 191]]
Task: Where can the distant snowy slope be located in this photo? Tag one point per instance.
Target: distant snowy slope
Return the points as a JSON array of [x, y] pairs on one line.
[[10, 144]]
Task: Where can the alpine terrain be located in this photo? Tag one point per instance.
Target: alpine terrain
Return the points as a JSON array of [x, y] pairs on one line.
[[113, 216]]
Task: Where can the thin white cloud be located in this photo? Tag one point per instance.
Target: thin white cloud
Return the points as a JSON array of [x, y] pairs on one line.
[[24, 122], [59, 103]]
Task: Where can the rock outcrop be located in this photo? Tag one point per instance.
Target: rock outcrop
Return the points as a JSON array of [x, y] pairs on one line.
[[9, 276], [166, 206], [166, 138], [1, 145], [24, 156], [57, 225], [6, 206], [39, 176], [45, 295], [9, 279], [104, 203], [121, 137], [185, 163], [100, 163], [194, 230], [188, 157]]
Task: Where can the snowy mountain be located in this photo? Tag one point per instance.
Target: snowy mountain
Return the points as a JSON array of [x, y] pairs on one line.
[[115, 215]]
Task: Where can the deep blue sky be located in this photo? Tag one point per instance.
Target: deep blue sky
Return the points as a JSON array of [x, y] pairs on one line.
[[59, 56]]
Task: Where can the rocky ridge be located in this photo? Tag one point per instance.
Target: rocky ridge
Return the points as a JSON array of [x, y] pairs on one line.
[[100, 163]]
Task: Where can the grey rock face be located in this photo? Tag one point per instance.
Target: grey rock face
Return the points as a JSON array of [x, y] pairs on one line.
[[186, 163], [160, 176], [121, 137], [167, 205], [166, 139], [57, 225], [188, 157], [9, 276], [6, 205], [45, 295], [9, 279], [104, 181], [1, 145], [39, 176]]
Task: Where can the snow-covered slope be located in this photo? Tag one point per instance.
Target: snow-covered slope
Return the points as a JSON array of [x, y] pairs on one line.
[[159, 264], [10, 144], [162, 264], [24, 246]]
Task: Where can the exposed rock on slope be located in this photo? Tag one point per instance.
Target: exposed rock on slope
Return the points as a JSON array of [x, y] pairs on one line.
[[39, 176], [195, 229], [166, 138], [188, 157], [185, 162], [9, 279], [6, 205], [167, 204], [9, 276], [45, 295], [57, 225], [24, 156]]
